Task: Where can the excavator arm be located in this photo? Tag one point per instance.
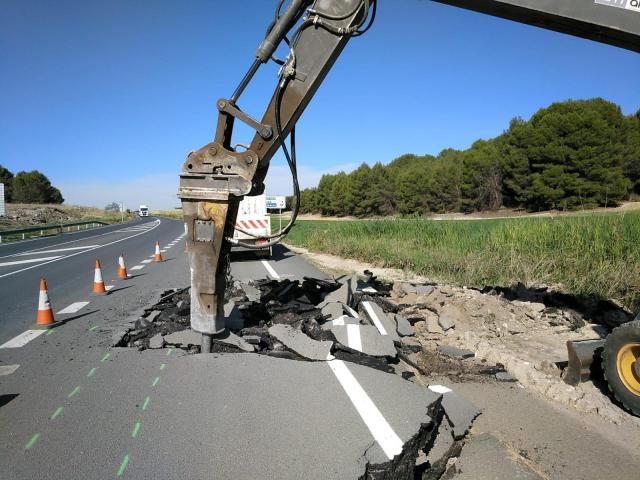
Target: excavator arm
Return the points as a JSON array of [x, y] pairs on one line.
[[214, 178]]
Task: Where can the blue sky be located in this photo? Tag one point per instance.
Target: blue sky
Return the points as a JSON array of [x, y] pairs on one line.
[[106, 98]]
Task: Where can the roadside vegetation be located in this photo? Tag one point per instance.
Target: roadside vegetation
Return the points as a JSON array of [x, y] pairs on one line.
[[596, 254], [176, 213], [571, 155], [22, 215]]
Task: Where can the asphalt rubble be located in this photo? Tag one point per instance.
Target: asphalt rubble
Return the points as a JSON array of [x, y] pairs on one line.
[[350, 319]]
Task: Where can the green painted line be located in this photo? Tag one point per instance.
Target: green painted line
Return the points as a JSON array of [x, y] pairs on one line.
[[32, 442], [93, 328], [136, 429], [56, 414], [106, 357], [162, 366], [169, 351], [145, 404], [49, 332], [123, 465], [155, 381], [74, 391], [91, 372]]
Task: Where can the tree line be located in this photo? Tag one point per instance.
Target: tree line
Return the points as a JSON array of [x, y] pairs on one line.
[[28, 187], [570, 155]]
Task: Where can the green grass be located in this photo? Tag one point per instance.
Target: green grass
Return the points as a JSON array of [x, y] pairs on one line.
[[595, 254], [175, 213]]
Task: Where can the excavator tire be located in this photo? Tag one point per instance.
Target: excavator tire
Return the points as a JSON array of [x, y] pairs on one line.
[[621, 364]]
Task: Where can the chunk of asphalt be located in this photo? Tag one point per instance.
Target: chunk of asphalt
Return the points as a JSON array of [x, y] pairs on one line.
[[424, 289], [252, 293], [341, 295], [455, 352], [230, 338], [505, 377], [350, 311], [298, 342], [340, 322], [448, 317], [460, 412], [252, 339], [153, 315], [412, 344], [184, 337], [364, 339], [403, 327], [157, 341], [382, 322], [484, 456], [333, 309]]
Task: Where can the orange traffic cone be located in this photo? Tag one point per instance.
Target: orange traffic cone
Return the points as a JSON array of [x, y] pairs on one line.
[[45, 314], [122, 269], [157, 257], [98, 284]]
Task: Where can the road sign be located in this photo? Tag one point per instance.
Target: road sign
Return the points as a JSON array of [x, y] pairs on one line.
[[276, 202]]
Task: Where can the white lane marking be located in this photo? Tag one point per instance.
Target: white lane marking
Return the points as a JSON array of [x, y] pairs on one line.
[[137, 267], [57, 244], [374, 318], [57, 259], [147, 260], [163, 250], [73, 308], [338, 322], [22, 339], [8, 369], [351, 311], [439, 389], [270, 270], [353, 337], [382, 432], [28, 260], [108, 287], [57, 250]]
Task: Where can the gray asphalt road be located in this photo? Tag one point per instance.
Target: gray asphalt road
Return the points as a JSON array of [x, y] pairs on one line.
[[67, 263]]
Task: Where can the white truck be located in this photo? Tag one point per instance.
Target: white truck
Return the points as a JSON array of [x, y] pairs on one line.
[[143, 211], [254, 219]]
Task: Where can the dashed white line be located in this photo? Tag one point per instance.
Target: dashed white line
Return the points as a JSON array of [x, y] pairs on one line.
[[22, 339], [374, 318], [148, 260], [270, 269], [163, 250], [29, 260], [73, 308], [137, 267], [382, 432], [353, 337]]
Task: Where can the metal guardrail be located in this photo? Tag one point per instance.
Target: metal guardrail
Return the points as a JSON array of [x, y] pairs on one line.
[[24, 233]]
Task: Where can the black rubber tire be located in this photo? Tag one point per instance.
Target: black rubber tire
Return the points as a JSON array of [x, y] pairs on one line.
[[622, 335]]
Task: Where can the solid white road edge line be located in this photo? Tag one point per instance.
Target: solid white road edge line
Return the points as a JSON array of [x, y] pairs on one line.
[[57, 250], [57, 259], [137, 267], [29, 260], [22, 339], [270, 270], [382, 432], [73, 308], [374, 318], [353, 337]]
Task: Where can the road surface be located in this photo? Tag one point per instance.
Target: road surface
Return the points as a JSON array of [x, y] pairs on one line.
[[72, 406]]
